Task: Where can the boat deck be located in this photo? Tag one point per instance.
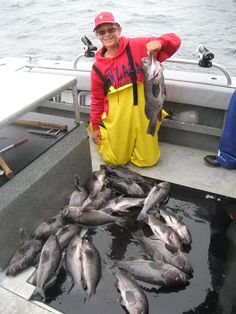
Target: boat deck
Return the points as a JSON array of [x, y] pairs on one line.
[[178, 164], [184, 166]]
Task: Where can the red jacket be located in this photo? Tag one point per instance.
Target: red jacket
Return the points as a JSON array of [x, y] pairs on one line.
[[117, 69]]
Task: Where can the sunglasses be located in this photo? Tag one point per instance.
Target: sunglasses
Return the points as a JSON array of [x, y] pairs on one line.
[[110, 30]]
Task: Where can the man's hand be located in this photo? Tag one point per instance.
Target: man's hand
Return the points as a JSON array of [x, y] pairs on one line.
[[152, 46], [97, 137]]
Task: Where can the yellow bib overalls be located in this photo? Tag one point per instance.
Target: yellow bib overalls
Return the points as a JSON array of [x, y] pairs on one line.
[[124, 137]]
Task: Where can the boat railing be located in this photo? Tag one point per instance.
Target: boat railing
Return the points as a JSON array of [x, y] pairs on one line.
[[196, 62]]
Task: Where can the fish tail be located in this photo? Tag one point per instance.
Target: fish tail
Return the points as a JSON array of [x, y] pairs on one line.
[[38, 294], [142, 217], [151, 128], [122, 221]]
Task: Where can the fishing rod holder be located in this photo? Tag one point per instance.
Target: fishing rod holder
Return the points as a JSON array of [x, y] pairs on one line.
[[88, 50], [89, 47], [205, 57]]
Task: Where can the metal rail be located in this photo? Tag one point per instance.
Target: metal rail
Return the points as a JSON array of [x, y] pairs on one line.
[[196, 62]]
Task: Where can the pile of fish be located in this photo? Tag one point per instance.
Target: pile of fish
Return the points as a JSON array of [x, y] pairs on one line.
[[109, 197]]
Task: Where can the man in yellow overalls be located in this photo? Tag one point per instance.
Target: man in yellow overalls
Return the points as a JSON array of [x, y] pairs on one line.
[[118, 121]]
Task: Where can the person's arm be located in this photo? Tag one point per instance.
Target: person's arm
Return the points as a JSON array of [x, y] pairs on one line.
[[164, 46], [96, 106], [170, 43]]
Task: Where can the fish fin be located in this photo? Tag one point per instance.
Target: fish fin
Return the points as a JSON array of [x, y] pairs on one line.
[[38, 294], [171, 248], [72, 286], [34, 280], [83, 232], [154, 237], [159, 116], [149, 287]]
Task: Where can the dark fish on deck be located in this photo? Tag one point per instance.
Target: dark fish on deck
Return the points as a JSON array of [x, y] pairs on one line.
[[154, 91], [90, 216], [161, 251], [132, 295], [122, 172], [49, 263], [73, 261], [177, 225], [127, 187], [157, 195], [79, 195], [24, 256], [91, 267], [48, 227], [157, 273], [164, 233], [66, 233], [121, 205], [98, 200], [96, 182]]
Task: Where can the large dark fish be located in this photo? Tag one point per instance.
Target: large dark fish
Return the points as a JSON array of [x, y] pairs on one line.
[[154, 91], [127, 187], [91, 267], [161, 251], [164, 233], [90, 216], [121, 205], [48, 227], [177, 225], [157, 273], [132, 295], [157, 195], [24, 256], [73, 258], [122, 172], [49, 263]]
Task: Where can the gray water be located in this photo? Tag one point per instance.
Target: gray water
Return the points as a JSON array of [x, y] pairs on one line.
[[52, 29]]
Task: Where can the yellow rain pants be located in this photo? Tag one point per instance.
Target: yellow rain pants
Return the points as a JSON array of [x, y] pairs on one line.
[[124, 137]]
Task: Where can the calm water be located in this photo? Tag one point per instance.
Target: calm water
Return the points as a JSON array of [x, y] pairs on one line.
[[53, 29]]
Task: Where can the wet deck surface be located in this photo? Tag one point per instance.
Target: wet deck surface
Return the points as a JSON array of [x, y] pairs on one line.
[[208, 219]]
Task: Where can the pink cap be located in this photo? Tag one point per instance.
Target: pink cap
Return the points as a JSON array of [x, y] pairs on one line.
[[104, 17]]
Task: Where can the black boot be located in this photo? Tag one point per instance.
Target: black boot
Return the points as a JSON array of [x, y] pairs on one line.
[[211, 160]]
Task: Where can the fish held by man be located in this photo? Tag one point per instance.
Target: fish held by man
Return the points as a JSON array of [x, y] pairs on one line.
[[154, 91]]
